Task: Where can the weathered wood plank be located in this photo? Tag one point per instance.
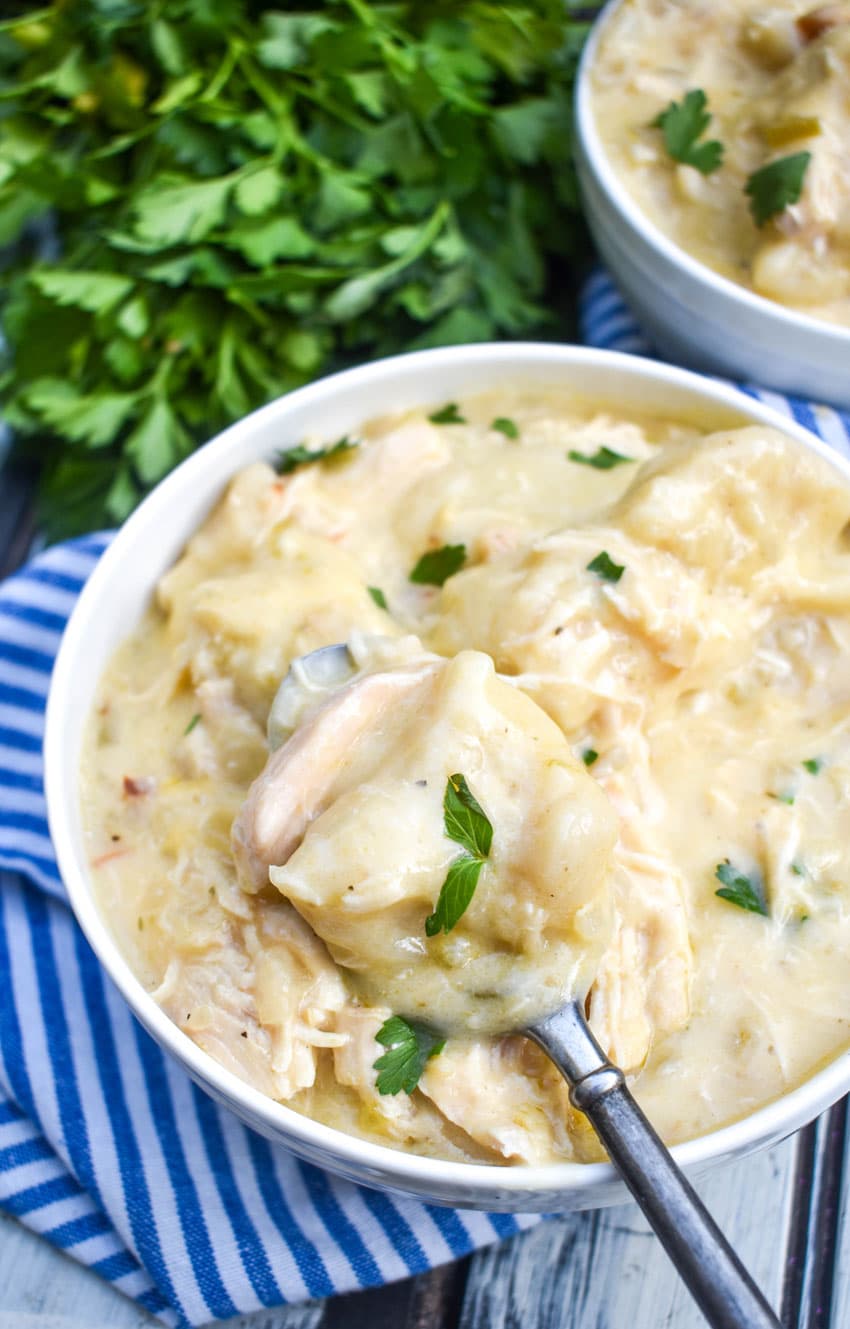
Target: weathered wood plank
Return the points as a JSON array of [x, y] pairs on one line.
[[605, 1270], [430, 1301], [797, 1238], [40, 1288], [827, 1274]]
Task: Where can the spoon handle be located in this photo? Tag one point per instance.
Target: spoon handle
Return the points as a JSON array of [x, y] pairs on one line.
[[719, 1283]]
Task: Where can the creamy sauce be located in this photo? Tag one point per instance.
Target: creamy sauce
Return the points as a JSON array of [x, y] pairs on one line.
[[777, 79], [712, 679]]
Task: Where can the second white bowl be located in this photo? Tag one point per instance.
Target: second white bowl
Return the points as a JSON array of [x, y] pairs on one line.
[[693, 315]]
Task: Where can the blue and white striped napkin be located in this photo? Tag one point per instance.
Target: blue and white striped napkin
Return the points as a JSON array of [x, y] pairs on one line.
[[106, 1147]]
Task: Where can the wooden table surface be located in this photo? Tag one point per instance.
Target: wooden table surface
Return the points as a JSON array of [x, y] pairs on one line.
[[786, 1210]]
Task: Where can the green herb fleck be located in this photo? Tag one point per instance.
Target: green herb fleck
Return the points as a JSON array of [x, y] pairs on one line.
[[682, 123], [606, 568], [464, 819], [292, 458], [465, 822], [448, 415], [603, 459], [455, 895], [745, 892], [410, 1046], [813, 765], [784, 798], [589, 756], [773, 188], [435, 567], [797, 870], [196, 719], [378, 596], [509, 428]]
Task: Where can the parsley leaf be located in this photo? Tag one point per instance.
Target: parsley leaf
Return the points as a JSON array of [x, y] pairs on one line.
[[410, 1046], [455, 895], [378, 596], [589, 756], [745, 892], [813, 765], [776, 185], [448, 415], [465, 822], [241, 206], [505, 426], [195, 720], [605, 567], [435, 567], [682, 123], [292, 458], [603, 459], [464, 819]]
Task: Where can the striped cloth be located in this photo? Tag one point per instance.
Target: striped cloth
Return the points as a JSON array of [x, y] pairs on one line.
[[106, 1147]]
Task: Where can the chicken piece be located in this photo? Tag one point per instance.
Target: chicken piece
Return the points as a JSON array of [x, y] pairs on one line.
[[643, 983], [229, 745], [211, 1000], [397, 457], [354, 1065], [361, 787], [298, 993], [582, 642], [299, 780], [507, 1096]]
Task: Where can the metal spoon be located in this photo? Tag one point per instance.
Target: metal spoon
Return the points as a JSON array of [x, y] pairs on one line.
[[708, 1265]]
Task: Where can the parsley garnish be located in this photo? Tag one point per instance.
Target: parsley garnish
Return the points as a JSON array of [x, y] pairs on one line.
[[745, 892], [682, 123], [449, 415], [776, 185], [248, 193], [813, 765], [465, 822], [605, 567], [378, 596], [292, 458], [505, 426], [196, 719], [435, 567], [603, 459], [410, 1047], [455, 896], [589, 756]]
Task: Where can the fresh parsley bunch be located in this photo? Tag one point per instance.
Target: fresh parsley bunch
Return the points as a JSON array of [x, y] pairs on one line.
[[238, 198]]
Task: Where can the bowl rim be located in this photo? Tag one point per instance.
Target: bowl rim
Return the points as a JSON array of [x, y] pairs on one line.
[[589, 141], [351, 1154]]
